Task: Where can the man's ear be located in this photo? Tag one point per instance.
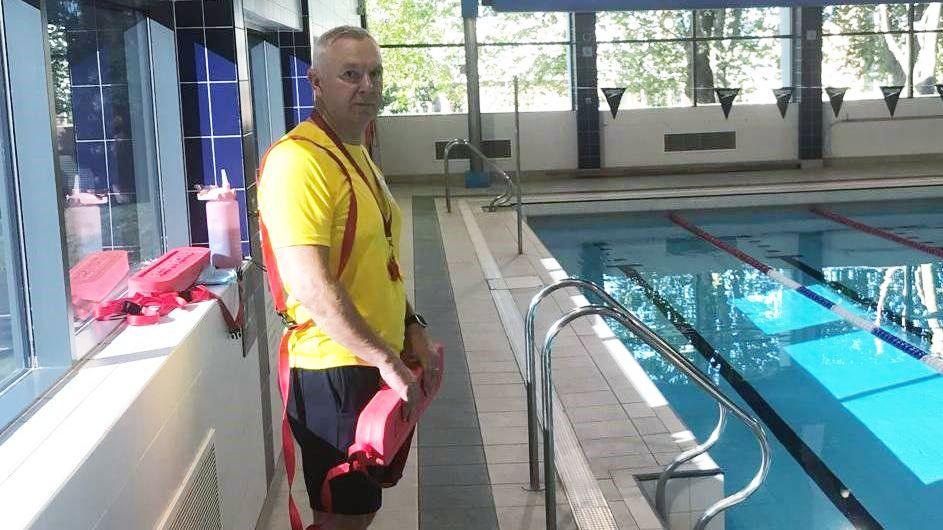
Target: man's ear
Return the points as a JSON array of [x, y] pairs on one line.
[[314, 78]]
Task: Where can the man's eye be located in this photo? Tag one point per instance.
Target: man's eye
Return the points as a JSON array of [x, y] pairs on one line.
[[349, 74]]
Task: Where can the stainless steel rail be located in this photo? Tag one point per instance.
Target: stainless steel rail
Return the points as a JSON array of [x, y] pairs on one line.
[[504, 199], [500, 200], [618, 312]]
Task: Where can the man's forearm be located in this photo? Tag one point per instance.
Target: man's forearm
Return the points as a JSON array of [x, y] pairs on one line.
[[336, 316]]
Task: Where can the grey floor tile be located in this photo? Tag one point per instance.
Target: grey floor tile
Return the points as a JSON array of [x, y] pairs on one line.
[[534, 518], [459, 496], [451, 455], [445, 518], [492, 420], [623, 445], [446, 437], [587, 399], [452, 475], [596, 413], [604, 429]]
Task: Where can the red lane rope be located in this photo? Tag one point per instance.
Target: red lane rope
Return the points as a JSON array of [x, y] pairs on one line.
[[710, 238], [857, 225]]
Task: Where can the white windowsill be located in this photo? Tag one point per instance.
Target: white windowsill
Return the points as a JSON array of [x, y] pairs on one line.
[[40, 456]]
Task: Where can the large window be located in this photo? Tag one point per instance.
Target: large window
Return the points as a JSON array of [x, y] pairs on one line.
[[674, 58], [13, 348], [534, 47], [422, 43], [869, 46], [105, 145]]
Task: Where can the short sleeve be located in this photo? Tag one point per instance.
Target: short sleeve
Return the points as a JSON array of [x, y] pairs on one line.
[[296, 199]]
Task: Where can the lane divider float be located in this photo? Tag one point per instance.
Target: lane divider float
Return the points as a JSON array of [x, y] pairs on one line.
[[878, 232], [916, 352]]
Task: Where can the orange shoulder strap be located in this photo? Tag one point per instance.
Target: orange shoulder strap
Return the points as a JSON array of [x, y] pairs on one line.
[[350, 228]]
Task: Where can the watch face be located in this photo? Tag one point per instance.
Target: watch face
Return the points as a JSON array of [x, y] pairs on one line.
[[416, 318]]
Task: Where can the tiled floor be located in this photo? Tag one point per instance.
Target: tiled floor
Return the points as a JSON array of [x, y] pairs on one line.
[[470, 468]]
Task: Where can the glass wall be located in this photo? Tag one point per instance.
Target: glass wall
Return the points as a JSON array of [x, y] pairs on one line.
[[869, 46], [105, 145], [532, 46], [677, 58], [422, 43], [13, 347]]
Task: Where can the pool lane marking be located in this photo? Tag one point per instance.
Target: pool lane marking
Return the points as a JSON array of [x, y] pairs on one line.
[[878, 232], [815, 468], [855, 320], [853, 295]]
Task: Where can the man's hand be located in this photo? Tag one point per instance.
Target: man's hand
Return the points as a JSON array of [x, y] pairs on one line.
[[418, 349], [400, 378]]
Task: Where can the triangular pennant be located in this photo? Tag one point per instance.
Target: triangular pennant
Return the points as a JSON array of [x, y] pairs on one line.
[[783, 97], [726, 97], [613, 97], [891, 96], [836, 96], [939, 90]]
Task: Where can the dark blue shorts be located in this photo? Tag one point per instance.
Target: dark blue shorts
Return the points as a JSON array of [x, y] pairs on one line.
[[323, 407]]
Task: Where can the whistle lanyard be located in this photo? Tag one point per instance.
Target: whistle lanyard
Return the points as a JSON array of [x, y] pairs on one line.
[[385, 213]]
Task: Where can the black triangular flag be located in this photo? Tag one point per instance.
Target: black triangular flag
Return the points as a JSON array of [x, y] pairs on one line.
[[783, 97], [726, 97], [613, 97], [836, 96], [891, 95], [939, 90]]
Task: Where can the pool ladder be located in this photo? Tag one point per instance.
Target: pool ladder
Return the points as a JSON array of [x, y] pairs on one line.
[[616, 311], [506, 198]]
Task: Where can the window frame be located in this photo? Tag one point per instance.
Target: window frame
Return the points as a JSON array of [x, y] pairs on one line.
[[56, 348], [693, 39], [909, 32]]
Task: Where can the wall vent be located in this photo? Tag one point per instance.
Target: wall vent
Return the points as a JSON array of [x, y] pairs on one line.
[[491, 149], [196, 504], [705, 141]]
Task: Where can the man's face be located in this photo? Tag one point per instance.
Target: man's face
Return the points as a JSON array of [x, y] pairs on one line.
[[348, 81]]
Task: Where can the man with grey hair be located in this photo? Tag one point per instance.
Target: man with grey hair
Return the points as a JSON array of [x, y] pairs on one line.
[[334, 229]]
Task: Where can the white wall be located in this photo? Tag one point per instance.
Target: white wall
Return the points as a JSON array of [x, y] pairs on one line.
[[326, 14], [635, 137], [881, 135], [283, 14], [124, 473], [407, 143]]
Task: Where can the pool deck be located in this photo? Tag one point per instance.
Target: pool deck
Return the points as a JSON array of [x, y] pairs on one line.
[[468, 468]]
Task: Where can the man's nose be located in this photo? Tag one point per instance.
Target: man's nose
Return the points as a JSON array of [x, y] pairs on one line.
[[367, 83]]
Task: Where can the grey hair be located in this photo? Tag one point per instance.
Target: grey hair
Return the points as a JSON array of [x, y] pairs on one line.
[[328, 37]]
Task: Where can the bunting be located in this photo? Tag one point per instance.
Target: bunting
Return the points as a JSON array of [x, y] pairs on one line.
[[613, 98], [726, 97], [891, 96], [836, 95], [783, 97]]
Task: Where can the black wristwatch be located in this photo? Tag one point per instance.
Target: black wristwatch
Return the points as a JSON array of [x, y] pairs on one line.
[[416, 318]]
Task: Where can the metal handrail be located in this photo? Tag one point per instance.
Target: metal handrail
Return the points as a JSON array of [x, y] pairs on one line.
[[619, 313], [500, 200], [509, 185]]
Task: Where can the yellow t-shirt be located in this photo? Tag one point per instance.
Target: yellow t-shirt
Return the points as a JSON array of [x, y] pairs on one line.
[[304, 199]]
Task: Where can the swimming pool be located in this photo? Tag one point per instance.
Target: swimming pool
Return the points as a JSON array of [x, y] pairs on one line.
[[854, 418]]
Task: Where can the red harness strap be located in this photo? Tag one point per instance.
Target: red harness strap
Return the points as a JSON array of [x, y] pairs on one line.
[[279, 301], [144, 310]]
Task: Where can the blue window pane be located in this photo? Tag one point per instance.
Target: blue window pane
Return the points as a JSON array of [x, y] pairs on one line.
[[112, 213]]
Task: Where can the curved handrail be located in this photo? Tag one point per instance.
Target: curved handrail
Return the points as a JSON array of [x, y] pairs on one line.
[[637, 327], [661, 492], [530, 362], [501, 200]]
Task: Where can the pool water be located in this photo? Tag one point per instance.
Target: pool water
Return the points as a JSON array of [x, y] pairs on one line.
[[856, 424]]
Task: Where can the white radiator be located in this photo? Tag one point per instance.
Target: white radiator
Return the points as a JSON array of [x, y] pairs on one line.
[[195, 506]]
